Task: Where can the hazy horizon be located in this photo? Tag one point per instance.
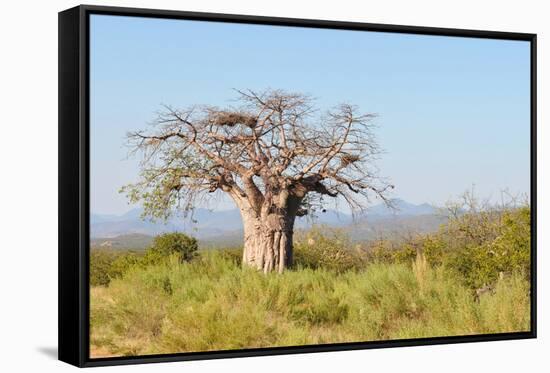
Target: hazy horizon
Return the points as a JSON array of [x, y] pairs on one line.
[[228, 207], [452, 112]]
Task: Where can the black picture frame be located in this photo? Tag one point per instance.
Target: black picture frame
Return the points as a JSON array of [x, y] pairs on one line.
[[74, 183]]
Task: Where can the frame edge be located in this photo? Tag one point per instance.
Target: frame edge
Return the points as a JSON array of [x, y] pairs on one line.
[[73, 195], [70, 260]]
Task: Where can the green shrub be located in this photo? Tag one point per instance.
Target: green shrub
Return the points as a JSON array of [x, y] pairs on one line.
[[506, 251], [386, 251], [234, 254], [107, 264], [123, 262], [433, 250], [100, 266], [381, 251], [407, 252], [329, 248], [173, 243]]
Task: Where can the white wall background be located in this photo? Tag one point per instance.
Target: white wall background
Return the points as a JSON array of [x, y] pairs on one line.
[[28, 187]]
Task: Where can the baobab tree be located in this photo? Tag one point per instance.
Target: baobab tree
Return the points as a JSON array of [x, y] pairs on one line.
[[274, 154]]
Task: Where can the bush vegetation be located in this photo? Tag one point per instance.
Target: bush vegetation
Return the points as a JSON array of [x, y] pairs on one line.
[[106, 265], [101, 261], [328, 248], [338, 291], [180, 244], [212, 304]]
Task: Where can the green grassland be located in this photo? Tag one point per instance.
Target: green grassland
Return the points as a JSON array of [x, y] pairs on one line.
[[471, 277]]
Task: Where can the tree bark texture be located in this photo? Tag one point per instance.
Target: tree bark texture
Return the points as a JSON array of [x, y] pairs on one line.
[[268, 241]]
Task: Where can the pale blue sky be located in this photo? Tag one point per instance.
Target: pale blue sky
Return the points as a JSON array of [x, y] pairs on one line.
[[453, 112]]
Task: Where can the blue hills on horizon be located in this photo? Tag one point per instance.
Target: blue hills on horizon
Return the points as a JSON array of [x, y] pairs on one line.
[[211, 224]]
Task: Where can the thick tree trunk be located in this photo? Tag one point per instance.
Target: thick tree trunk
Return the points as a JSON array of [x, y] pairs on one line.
[[268, 242]]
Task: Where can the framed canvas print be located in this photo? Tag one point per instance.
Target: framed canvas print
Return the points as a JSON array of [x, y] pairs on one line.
[[234, 186]]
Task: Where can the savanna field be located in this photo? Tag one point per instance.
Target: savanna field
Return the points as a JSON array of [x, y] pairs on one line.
[[469, 277]]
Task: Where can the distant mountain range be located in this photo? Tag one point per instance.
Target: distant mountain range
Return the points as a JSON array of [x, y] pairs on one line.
[[212, 227], [401, 208]]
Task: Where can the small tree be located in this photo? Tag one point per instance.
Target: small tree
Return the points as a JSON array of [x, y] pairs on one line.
[[173, 243], [274, 155], [100, 266]]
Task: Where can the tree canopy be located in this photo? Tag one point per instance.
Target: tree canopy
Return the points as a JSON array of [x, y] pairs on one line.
[[273, 150]]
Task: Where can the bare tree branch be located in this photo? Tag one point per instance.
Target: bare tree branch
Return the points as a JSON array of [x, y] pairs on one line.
[[271, 152]]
